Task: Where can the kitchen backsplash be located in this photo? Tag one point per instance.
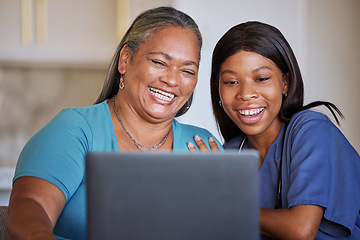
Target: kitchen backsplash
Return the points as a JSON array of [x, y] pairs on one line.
[[31, 95]]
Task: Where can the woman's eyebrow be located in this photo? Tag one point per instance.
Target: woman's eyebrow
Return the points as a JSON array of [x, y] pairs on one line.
[[165, 55], [168, 57]]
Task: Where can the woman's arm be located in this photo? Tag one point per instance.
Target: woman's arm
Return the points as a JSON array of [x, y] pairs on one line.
[[298, 222], [34, 207]]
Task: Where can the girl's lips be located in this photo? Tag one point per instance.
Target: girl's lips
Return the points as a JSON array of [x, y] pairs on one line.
[[251, 112], [251, 116], [165, 96]]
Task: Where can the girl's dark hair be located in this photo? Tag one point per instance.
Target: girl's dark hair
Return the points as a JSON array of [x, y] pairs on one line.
[[269, 42], [139, 32]]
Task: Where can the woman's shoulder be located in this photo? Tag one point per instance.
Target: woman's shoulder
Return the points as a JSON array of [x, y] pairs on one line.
[[184, 133], [87, 111], [78, 121], [88, 114], [189, 129]]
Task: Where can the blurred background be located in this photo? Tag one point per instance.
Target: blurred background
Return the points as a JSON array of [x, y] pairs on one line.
[[54, 55]]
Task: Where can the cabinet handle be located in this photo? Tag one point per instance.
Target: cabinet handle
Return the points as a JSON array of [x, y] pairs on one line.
[[41, 21], [122, 17], [26, 22]]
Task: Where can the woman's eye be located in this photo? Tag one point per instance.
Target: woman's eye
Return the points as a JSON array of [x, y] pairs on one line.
[[158, 63], [189, 73]]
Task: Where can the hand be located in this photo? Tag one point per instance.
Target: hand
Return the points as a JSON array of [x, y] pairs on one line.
[[202, 146]]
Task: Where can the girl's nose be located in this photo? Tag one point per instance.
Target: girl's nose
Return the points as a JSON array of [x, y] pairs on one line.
[[247, 92]]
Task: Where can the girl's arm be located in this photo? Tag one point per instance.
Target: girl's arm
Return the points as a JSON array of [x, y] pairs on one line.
[[202, 146], [297, 222]]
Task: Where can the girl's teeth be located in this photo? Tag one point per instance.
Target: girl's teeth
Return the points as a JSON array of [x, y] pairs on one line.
[[162, 95], [251, 111]]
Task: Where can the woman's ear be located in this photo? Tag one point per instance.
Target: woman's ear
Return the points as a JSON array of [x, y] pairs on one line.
[[124, 59], [285, 83]]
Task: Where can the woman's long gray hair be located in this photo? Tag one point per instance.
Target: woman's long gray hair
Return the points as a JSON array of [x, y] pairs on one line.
[[140, 30]]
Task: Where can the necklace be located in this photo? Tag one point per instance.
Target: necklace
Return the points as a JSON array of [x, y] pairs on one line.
[[138, 145], [242, 144]]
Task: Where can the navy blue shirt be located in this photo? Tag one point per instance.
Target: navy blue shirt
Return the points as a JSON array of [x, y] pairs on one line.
[[319, 167]]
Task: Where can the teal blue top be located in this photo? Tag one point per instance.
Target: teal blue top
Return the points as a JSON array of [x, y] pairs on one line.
[[57, 152]]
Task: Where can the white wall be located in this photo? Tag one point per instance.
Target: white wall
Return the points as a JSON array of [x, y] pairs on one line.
[[324, 35], [334, 65]]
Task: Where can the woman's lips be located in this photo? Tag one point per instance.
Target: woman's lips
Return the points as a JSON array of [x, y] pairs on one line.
[[165, 96]]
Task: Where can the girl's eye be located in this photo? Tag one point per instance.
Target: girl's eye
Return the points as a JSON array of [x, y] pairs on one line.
[[262, 79], [230, 82]]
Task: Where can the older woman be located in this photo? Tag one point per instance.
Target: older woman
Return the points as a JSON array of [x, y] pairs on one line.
[[151, 81]]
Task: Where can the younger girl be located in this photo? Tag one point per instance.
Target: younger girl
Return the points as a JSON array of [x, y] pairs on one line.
[[309, 174]]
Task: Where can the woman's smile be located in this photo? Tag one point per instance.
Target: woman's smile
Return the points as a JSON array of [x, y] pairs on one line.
[[162, 95]]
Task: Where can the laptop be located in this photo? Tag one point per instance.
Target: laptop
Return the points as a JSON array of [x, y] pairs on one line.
[[177, 196]]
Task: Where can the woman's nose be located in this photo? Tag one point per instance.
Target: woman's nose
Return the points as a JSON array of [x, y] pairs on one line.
[[171, 77]]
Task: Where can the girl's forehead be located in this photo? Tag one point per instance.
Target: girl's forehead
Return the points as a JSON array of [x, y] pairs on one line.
[[248, 61]]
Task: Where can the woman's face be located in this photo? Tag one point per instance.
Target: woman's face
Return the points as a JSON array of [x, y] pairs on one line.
[[162, 74], [251, 88]]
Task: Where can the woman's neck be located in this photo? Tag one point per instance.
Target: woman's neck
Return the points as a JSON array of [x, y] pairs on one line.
[[132, 130]]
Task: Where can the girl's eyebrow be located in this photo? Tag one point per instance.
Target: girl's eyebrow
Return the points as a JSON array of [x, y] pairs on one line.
[[262, 68], [254, 71], [168, 57], [228, 71]]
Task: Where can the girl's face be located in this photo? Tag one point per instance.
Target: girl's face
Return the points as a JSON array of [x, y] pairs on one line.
[[162, 74], [251, 88]]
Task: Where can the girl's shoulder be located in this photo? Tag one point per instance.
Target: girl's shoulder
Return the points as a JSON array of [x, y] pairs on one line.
[[309, 115], [309, 118]]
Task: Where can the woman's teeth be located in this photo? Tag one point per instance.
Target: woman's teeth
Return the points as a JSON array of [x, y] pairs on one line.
[[251, 112], [162, 95]]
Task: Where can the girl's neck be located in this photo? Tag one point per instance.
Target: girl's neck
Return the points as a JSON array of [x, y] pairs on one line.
[[263, 141]]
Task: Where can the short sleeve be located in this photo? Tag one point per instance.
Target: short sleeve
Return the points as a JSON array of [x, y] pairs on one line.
[[184, 133], [56, 153], [324, 170]]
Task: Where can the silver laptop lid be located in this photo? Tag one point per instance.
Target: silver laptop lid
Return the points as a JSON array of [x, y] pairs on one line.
[[172, 195]]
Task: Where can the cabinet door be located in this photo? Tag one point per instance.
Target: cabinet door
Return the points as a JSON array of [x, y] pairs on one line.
[[77, 31]]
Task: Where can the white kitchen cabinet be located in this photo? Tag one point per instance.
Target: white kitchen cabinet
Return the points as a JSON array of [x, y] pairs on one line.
[[81, 31]]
